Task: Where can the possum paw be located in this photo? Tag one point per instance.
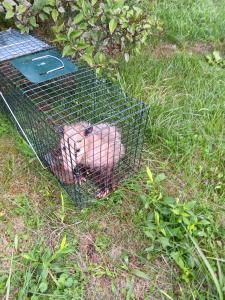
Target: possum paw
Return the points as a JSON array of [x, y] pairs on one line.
[[103, 193], [80, 180]]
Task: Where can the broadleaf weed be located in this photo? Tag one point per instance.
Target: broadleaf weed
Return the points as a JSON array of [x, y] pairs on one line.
[[168, 223]]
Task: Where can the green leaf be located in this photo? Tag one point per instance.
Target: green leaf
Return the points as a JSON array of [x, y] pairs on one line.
[[79, 17], [100, 57], [89, 59], [150, 234], [112, 25], [170, 201], [140, 274], [109, 2], [43, 287], [32, 21], [160, 177], [58, 28], [164, 241], [52, 2], [69, 282], [28, 257], [44, 273], [92, 21], [73, 33], [85, 7], [55, 14], [156, 217], [209, 59], [138, 10], [38, 5], [176, 211], [60, 38], [178, 259], [149, 173], [47, 10], [7, 5], [163, 231], [21, 9], [93, 2], [43, 16], [82, 45], [89, 50], [9, 14], [68, 50], [23, 28], [63, 243], [217, 57], [119, 4]]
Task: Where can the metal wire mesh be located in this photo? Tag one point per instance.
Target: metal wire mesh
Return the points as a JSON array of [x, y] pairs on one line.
[[14, 44], [86, 131]]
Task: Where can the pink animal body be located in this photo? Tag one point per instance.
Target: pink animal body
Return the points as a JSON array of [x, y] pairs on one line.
[[97, 147]]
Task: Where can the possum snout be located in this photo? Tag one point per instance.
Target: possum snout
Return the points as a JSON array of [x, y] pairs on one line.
[[73, 145]]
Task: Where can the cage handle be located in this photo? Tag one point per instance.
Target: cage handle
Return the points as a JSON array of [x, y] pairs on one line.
[[52, 56], [17, 122]]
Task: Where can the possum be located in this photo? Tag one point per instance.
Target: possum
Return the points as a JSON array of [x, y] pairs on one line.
[[95, 149]]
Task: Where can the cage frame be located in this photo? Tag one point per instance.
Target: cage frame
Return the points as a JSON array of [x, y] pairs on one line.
[[32, 96]]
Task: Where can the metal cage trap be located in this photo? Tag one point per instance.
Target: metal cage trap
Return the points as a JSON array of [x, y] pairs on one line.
[[87, 132]]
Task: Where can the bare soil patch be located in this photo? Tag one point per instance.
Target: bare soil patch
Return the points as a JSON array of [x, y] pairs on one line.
[[165, 50], [201, 48], [87, 248]]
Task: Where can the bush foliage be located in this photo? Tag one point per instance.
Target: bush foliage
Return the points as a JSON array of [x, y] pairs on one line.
[[97, 31]]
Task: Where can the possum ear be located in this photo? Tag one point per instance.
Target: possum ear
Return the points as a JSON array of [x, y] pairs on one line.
[[88, 130]]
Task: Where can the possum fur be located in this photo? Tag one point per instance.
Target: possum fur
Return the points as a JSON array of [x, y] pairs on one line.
[[97, 147]]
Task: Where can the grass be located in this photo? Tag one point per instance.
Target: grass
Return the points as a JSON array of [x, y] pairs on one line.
[[104, 253], [186, 115], [191, 21]]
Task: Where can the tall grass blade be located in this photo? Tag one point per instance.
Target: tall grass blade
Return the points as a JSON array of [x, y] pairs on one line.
[[210, 269], [166, 295]]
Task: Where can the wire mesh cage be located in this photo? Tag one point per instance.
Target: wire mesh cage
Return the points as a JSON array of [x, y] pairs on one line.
[[87, 132], [13, 44]]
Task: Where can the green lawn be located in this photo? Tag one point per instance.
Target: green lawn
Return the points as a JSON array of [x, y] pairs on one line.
[[107, 253]]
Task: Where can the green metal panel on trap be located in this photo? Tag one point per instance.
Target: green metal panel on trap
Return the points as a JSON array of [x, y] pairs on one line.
[[40, 67]]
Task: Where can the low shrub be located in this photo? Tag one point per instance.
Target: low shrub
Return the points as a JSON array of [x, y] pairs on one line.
[[97, 31]]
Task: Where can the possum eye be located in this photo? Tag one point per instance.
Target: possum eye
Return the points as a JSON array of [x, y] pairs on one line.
[[88, 130], [64, 148], [78, 150]]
